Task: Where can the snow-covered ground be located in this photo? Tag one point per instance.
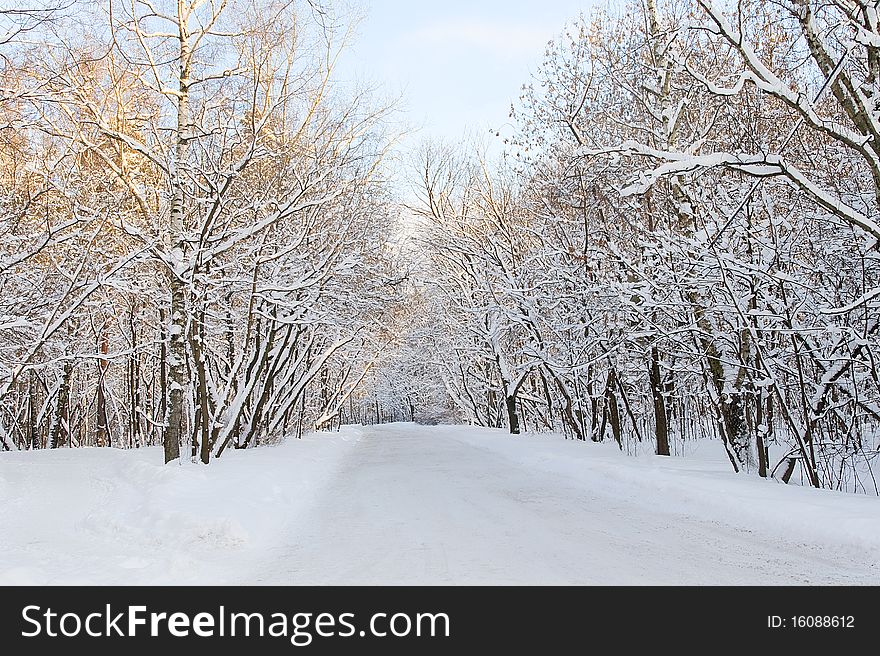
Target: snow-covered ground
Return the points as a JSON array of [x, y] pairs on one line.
[[423, 505], [107, 516]]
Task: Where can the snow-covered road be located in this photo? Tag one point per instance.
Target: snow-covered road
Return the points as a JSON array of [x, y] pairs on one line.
[[414, 505], [407, 504]]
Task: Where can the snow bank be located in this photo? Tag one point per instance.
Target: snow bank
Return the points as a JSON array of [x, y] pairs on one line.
[[700, 484], [106, 516]]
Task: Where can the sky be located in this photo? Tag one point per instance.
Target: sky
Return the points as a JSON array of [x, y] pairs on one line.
[[458, 65]]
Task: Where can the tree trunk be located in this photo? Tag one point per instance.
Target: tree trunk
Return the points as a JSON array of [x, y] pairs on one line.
[[568, 413], [61, 423], [661, 426], [733, 413], [101, 429], [134, 390], [33, 430], [761, 431], [512, 416], [612, 408], [174, 428], [594, 407]]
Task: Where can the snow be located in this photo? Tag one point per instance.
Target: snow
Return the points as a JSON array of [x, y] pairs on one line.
[[109, 516], [701, 485], [407, 504]]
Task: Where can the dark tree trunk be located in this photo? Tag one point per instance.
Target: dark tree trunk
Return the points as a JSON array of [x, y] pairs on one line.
[[567, 411], [661, 426], [101, 428], [736, 428], [33, 430], [611, 407], [61, 423], [594, 408], [761, 431], [512, 416], [789, 469]]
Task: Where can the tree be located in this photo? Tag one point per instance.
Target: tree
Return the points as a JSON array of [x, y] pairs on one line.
[[238, 248]]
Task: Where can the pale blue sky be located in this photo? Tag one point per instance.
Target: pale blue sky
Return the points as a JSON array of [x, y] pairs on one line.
[[457, 64]]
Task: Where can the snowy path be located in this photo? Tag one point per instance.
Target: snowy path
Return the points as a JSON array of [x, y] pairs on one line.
[[415, 505], [412, 504]]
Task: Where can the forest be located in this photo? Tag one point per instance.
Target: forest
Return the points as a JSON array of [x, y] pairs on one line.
[[203, 246]]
